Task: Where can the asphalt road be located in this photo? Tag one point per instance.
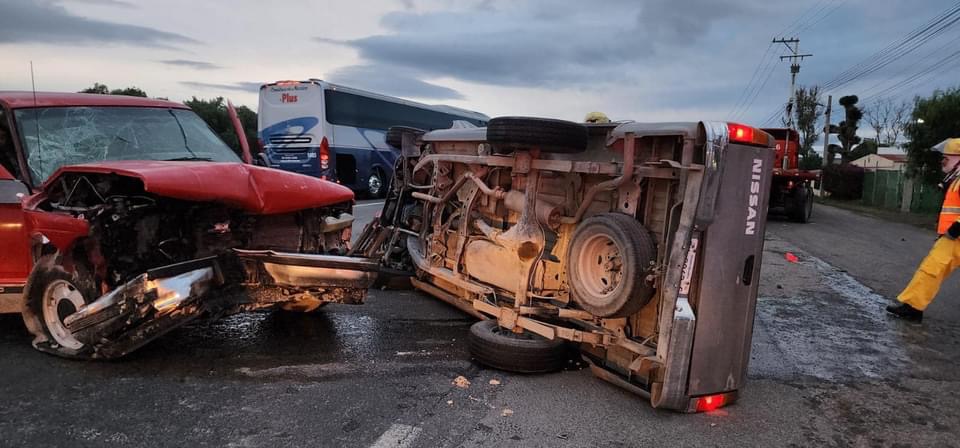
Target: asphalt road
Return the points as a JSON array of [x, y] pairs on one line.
[[828, 369], [883, 255]]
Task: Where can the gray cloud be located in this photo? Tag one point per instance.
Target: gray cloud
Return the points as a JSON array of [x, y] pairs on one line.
[[236, 86], [391, 80], [117, 3], [199, 65], [540, 43], [46, 22]]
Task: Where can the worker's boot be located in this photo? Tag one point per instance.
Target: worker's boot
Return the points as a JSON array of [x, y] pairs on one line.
[[906, 312]]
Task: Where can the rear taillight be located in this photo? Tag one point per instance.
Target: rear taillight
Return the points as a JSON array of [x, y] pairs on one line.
[[707, 403], [710, 402], [740, 133], [324, 157]]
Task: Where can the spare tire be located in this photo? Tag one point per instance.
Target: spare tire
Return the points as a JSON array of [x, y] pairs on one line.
[[394, 135], [608, 262], [500, 348], [507, 134]]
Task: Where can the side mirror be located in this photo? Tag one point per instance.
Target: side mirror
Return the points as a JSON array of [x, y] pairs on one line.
[[261, 160]]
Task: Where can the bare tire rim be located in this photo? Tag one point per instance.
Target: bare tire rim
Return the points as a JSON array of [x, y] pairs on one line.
[[374, 184], [61, 299], [600, 265]]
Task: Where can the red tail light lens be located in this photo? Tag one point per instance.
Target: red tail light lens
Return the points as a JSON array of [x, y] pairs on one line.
[[324, 154], [740, 133], [710, 402]]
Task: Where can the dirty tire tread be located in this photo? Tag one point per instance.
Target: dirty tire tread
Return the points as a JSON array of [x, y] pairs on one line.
[[639, 248], [557, 136], [394, 135], [536, 355]]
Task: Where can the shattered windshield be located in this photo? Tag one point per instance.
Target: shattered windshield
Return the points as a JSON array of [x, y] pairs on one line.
[[58, 136]]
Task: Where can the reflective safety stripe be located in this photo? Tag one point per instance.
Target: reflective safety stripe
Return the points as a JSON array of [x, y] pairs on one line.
[[950, 210]]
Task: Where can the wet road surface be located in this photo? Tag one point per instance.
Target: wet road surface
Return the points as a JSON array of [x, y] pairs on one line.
[[828, 368]]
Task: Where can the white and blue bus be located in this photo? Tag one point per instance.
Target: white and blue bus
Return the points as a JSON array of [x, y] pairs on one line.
[[338, 133]]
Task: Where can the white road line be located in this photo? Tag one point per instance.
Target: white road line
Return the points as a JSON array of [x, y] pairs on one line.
[[368, 204], [398, 436]]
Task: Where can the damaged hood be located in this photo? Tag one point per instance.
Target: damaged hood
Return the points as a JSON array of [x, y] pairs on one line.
[[252, 188]]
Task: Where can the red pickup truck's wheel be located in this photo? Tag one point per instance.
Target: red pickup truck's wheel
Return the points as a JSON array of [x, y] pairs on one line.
[[507, 134], [501, 348], [52, 295], [608, 262]]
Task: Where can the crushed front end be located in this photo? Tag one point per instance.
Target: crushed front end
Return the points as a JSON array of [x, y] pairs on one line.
[[118, 265]]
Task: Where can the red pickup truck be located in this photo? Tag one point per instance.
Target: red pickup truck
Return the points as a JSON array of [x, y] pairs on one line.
[[122, 218]]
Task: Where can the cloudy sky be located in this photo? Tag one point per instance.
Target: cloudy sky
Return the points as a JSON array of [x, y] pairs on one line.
[[652, 60]]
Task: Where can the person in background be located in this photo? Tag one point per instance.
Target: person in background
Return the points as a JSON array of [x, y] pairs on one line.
[[596, 117], [945, 255]]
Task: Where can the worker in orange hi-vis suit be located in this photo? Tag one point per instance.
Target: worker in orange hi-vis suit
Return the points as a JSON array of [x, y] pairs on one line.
[[945, 255]]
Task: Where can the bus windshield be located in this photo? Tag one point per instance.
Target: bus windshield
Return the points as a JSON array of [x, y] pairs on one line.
[[57, 136]]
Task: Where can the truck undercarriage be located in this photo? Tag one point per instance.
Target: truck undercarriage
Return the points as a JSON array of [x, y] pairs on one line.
[[595, 236]]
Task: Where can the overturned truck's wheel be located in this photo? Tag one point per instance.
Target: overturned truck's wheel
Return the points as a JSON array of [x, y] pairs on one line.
[[608, 263], [52, 295], [507, 134], [500, 348]]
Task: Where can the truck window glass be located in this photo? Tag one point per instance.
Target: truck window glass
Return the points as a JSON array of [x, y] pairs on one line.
[[56, 136]]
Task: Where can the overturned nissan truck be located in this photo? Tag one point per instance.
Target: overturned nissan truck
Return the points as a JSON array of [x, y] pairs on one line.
[[123, 218], [638, 242]]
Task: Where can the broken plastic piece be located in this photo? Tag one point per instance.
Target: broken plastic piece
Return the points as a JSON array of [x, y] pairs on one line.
[[791, 257], [461, 382]]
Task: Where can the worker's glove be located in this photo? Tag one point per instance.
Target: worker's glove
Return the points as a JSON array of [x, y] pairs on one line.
[[954, 231]]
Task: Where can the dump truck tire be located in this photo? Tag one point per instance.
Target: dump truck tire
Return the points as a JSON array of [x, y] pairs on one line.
[[500, 348], [608, 262], [507, 134], [802, 208], [51, 295], [394, 135]]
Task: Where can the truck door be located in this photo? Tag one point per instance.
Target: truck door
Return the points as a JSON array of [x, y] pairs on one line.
[[14, 244]]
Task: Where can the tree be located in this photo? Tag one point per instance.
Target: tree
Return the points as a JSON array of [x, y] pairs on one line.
[[933, 120], [214, 113], [812, 161], [899, 118], [869, 146], [102, 89], [96, 88], [129, 91], [879, 117], [848, 127], [808, 111]]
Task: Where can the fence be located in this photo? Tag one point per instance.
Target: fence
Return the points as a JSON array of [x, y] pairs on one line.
[[891, 189]]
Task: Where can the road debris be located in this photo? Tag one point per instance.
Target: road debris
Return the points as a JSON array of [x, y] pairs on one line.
[[450, 402], [506, 413], [791, 257], [494, 382], [461, 382]]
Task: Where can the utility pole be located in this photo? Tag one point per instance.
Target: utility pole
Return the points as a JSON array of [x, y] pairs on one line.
[[795, 59], [826, 140]]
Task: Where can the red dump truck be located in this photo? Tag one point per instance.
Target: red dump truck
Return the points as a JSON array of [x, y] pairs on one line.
[[791, 189]]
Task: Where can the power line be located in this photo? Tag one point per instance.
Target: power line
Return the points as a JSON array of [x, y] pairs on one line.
[[871, 92], [802, 22], [897, 49]]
